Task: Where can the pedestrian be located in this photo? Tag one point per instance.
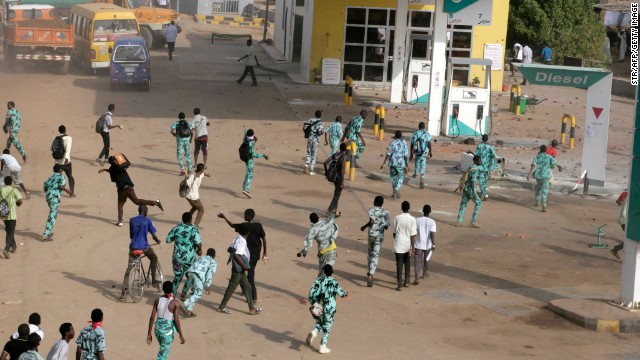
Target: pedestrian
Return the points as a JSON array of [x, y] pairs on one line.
[[16, 346], [469, 193], [352, 132], [60, 349], [125, 188], [553, 149], [622, 202], [420, 149], [607, 49], [240, 257], [425, 243], [187, 245], [139, 227], [542, 164], [249, 63], [168, 321], [193, 195], [199, 278], [338, 183], [200, 123], [12, 127], [398, 156], [325, 233], [313, 129], [107, 125], [32, 353], [487, 154], [324, 290], [12, 197], [622, 46], [170, 36], [91, 341], [183, 132], [547, 55], [256, 242], [527, 58], [52, 187], [404, 238], [517, 57], [65, 152], [9, 167], [34, 326], [378, 223], [250, 139], [333, 134]]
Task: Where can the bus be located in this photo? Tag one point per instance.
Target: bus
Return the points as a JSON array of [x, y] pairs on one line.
[[96, 27]]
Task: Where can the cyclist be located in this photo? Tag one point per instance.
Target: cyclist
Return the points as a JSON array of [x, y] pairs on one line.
[[139, 227]]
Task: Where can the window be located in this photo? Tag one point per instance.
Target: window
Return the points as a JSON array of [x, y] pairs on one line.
[[129, 53], [102, 29], [459, 45]]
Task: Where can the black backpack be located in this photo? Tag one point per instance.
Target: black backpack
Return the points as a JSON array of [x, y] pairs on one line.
[[244, 151], [182, 129], [331, 167], [5, 210], [100, 123], [57, 148], [308, 128], [418, 147]]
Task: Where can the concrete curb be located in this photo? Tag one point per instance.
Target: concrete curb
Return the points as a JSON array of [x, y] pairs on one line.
[[596, 315], [238, 21]]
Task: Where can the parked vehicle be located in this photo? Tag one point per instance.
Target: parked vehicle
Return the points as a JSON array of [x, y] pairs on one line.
[[152, 19], [130, 63]]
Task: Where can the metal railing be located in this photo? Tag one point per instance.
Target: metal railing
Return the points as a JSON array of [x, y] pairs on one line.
[[225, 6]]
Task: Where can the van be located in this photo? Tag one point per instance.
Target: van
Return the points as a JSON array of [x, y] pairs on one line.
[[130, 63]]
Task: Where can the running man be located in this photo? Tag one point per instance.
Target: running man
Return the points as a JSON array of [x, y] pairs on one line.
[[183, 132], [12, 126], [188, 244], [420, 148], [352, 132], [193, 195], [65, 161], [91, 341], [379, 221], [541, 168], [333, 134], [199, 278], [313, 129], [170, 36], [398, 156], [168, 321], [11, 195], [338, 182], [9, 167], [250, 139], [52, 187], [488, 156], [200, 123], [469, 193], [325, 233]]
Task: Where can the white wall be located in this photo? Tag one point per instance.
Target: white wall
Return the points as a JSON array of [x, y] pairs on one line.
[[307, 30], [278, 26]]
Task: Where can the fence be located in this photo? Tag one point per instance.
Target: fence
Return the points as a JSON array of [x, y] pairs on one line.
[[225, 6]]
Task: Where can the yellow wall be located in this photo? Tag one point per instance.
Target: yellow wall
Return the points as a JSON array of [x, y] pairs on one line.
[[494, 34]]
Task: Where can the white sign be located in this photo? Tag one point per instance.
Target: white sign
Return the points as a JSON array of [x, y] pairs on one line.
[[596, 130], [421, 2], [493, 52], [331, 71], [479, 13]]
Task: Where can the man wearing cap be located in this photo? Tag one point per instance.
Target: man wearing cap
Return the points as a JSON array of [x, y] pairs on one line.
[[52, 187], [398, 156]]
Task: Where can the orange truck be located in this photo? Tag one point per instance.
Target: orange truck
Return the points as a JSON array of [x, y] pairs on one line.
[[35, 33]]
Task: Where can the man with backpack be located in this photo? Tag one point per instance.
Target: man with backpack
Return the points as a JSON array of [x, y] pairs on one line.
[[488, 156], [334, 171], [247, 154], [9, 167], [397, 154], [52, 187], [200, 123], [103, 127], [61, 152], [333, 134], [183, 131], [420, 148], [468, 187], [352, 132], [10, 199], [12, 126], [312, 128]]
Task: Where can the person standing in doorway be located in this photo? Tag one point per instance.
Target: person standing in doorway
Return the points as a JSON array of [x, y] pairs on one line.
[[313, 129], [541, 168], [622, 45], [338, 183], [199, 278], [170, 36], [168, 321], [325, 233], [527, 58], [547, 55], [333, 134], [12, 197], [398, 156], [9, 166], [378, 222], [52, 187], [420, 149], [250, 60], [60, 350], [352, 132], [107, 125], [250, 139], [200, 123], [193, 196], [517, 57], [404, 238], [256, 242], [12, 125], [65, 160], [91, 341], [425, 243], [183, 132], [188, 244], [469, 193], [487, 154]]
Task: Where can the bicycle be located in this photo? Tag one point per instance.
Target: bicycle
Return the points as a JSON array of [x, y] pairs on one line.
[[138, 278]]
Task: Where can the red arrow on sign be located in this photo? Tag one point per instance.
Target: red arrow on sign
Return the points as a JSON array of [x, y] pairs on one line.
[[597, 111]]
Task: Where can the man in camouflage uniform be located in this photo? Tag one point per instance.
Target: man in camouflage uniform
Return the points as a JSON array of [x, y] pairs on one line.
[[183, 142], [312, 128], [250, 139], [199, 278], [398, 156], [378, 222], [541, 169], [488, 156], [52, 188], [187, 245], [352, 132], [91, 340], [333, 134], [325, 233], [12, 126], [469, 193], [420, 148]]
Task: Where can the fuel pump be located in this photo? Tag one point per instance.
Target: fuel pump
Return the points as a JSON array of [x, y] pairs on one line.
[[417, 78]]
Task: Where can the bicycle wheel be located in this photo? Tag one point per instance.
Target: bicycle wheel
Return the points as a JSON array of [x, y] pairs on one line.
[[159, 277], [136, 284]]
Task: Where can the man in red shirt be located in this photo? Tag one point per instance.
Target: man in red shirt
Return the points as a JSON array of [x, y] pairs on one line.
[[551, 150]]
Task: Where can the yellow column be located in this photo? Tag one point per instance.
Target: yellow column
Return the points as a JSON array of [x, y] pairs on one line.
[[350, 98], [346, 89], [563, 129], [381, 130], [376, 121], [347, 161], [572, 132], [354, 151]]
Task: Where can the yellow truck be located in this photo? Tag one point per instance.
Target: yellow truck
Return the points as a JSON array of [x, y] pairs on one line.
[[152, 20]]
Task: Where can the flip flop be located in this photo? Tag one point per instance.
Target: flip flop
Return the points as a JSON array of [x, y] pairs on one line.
[[223, 311], [256, 311]]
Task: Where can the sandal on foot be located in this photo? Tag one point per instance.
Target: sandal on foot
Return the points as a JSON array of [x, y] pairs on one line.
[[256, 311], [223, 310]]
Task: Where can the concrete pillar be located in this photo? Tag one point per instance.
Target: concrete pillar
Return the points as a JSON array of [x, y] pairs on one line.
[[438, 68], [399, 51]]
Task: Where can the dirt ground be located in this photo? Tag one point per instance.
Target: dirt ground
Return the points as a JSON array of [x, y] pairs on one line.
[[484, 300]]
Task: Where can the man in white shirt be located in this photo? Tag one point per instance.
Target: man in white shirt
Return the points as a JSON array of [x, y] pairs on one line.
[[34, 327], [250, 62], [517, 57], [65, 162], [60, 350], [404, 238], [170, 36], [200, 123], [107, 125], [527, 58], [193, 196], [425, 243], [9, 167]]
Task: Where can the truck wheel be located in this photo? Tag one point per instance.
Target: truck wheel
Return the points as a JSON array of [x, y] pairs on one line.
[[148, 36], [63, 68], [9, 57], [148, 86]]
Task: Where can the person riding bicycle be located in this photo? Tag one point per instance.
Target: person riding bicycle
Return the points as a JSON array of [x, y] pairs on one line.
[[139, 227]]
